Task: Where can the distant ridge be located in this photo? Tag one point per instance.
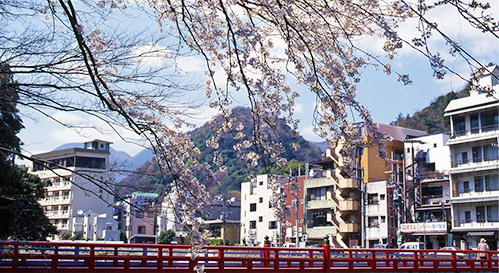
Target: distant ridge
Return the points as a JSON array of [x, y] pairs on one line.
[[151, 180], [118, 159]]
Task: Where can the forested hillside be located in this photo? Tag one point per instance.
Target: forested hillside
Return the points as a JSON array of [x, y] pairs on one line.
[[431, 119], [148, 177]]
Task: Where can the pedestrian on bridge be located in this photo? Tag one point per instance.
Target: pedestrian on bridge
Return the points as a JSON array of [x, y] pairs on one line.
[[483, 246]]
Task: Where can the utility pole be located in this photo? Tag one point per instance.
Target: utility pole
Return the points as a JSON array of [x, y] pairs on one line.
[[294, 189]]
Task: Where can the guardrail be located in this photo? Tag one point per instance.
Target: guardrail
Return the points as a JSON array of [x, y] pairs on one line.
[[110, 257]]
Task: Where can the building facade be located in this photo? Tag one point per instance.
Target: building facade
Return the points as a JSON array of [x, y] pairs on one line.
[[427, 165], [139, 217], [474, 179], [257, 216], [80, 183]]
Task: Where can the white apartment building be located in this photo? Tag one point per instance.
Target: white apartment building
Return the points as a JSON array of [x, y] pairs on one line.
[[376, 214], [475, 164], [257, 216], [78, 179]]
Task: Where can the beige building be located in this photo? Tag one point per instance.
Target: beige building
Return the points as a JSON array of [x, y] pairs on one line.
[[79, 179]]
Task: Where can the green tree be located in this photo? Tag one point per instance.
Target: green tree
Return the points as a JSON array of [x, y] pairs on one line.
[[21, 216], [166, 237]]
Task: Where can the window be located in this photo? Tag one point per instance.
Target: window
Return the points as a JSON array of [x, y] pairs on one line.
[[489, 120], [272, 225], [492, 213], [459, 125], [252, 224], [381, 197], [139, 214], [434, 145], [260, 218], [260, 200], [141, 230], [253, 207], [373, 222], [372, 199], [474, 123], [260, 183], [477, 153], [466, 186], [492, 182], [318, 218], [480, 214], [383, 219], [490, 152], [467, 216], [479, 184], [464, 157]]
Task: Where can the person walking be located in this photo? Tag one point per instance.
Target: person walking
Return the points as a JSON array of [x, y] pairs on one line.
[[482, 246]]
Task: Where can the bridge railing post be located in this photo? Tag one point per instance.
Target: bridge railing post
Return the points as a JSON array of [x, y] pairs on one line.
[[326, 264], [266, 253], [159, 259], [55, 258], [15, 255], [91, 259], [221, 261]]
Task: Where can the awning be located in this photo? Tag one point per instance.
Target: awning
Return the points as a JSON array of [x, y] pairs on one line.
[[481, 233]]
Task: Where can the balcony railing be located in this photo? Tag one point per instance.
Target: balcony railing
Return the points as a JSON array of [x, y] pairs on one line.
[[433, 175], [349, 205], [476, 191], [457, 163], [347, 183], [475, 131], [477, 223]]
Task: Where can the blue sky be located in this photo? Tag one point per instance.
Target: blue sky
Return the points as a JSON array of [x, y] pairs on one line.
[[384, 95]]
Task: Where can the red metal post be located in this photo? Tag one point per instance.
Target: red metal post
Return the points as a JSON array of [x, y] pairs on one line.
[[55, 259], [170, 255], [159, 262], [221, 262], [266, 253], [15, 254], [115, 262], [326, 264], [276, 259], [91, 259]]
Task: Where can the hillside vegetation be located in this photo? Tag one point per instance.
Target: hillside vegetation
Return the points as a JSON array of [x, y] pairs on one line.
[[431, 119], [149, 178]]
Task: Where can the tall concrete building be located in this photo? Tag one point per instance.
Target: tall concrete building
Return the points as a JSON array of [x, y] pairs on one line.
[[475, 163], [79, 178], [337, 203], [257, 215]]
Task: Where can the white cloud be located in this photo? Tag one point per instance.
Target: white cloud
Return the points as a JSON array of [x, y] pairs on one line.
[[190, 64], [309, 135], [298, 108], [151, 54]]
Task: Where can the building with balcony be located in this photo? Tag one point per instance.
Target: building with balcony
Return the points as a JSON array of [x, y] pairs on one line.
[[427, 181], [337, 202], [474, 179], [332, 202], [80, 182]]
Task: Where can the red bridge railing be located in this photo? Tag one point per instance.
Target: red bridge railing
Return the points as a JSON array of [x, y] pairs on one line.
[[104, 257]]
